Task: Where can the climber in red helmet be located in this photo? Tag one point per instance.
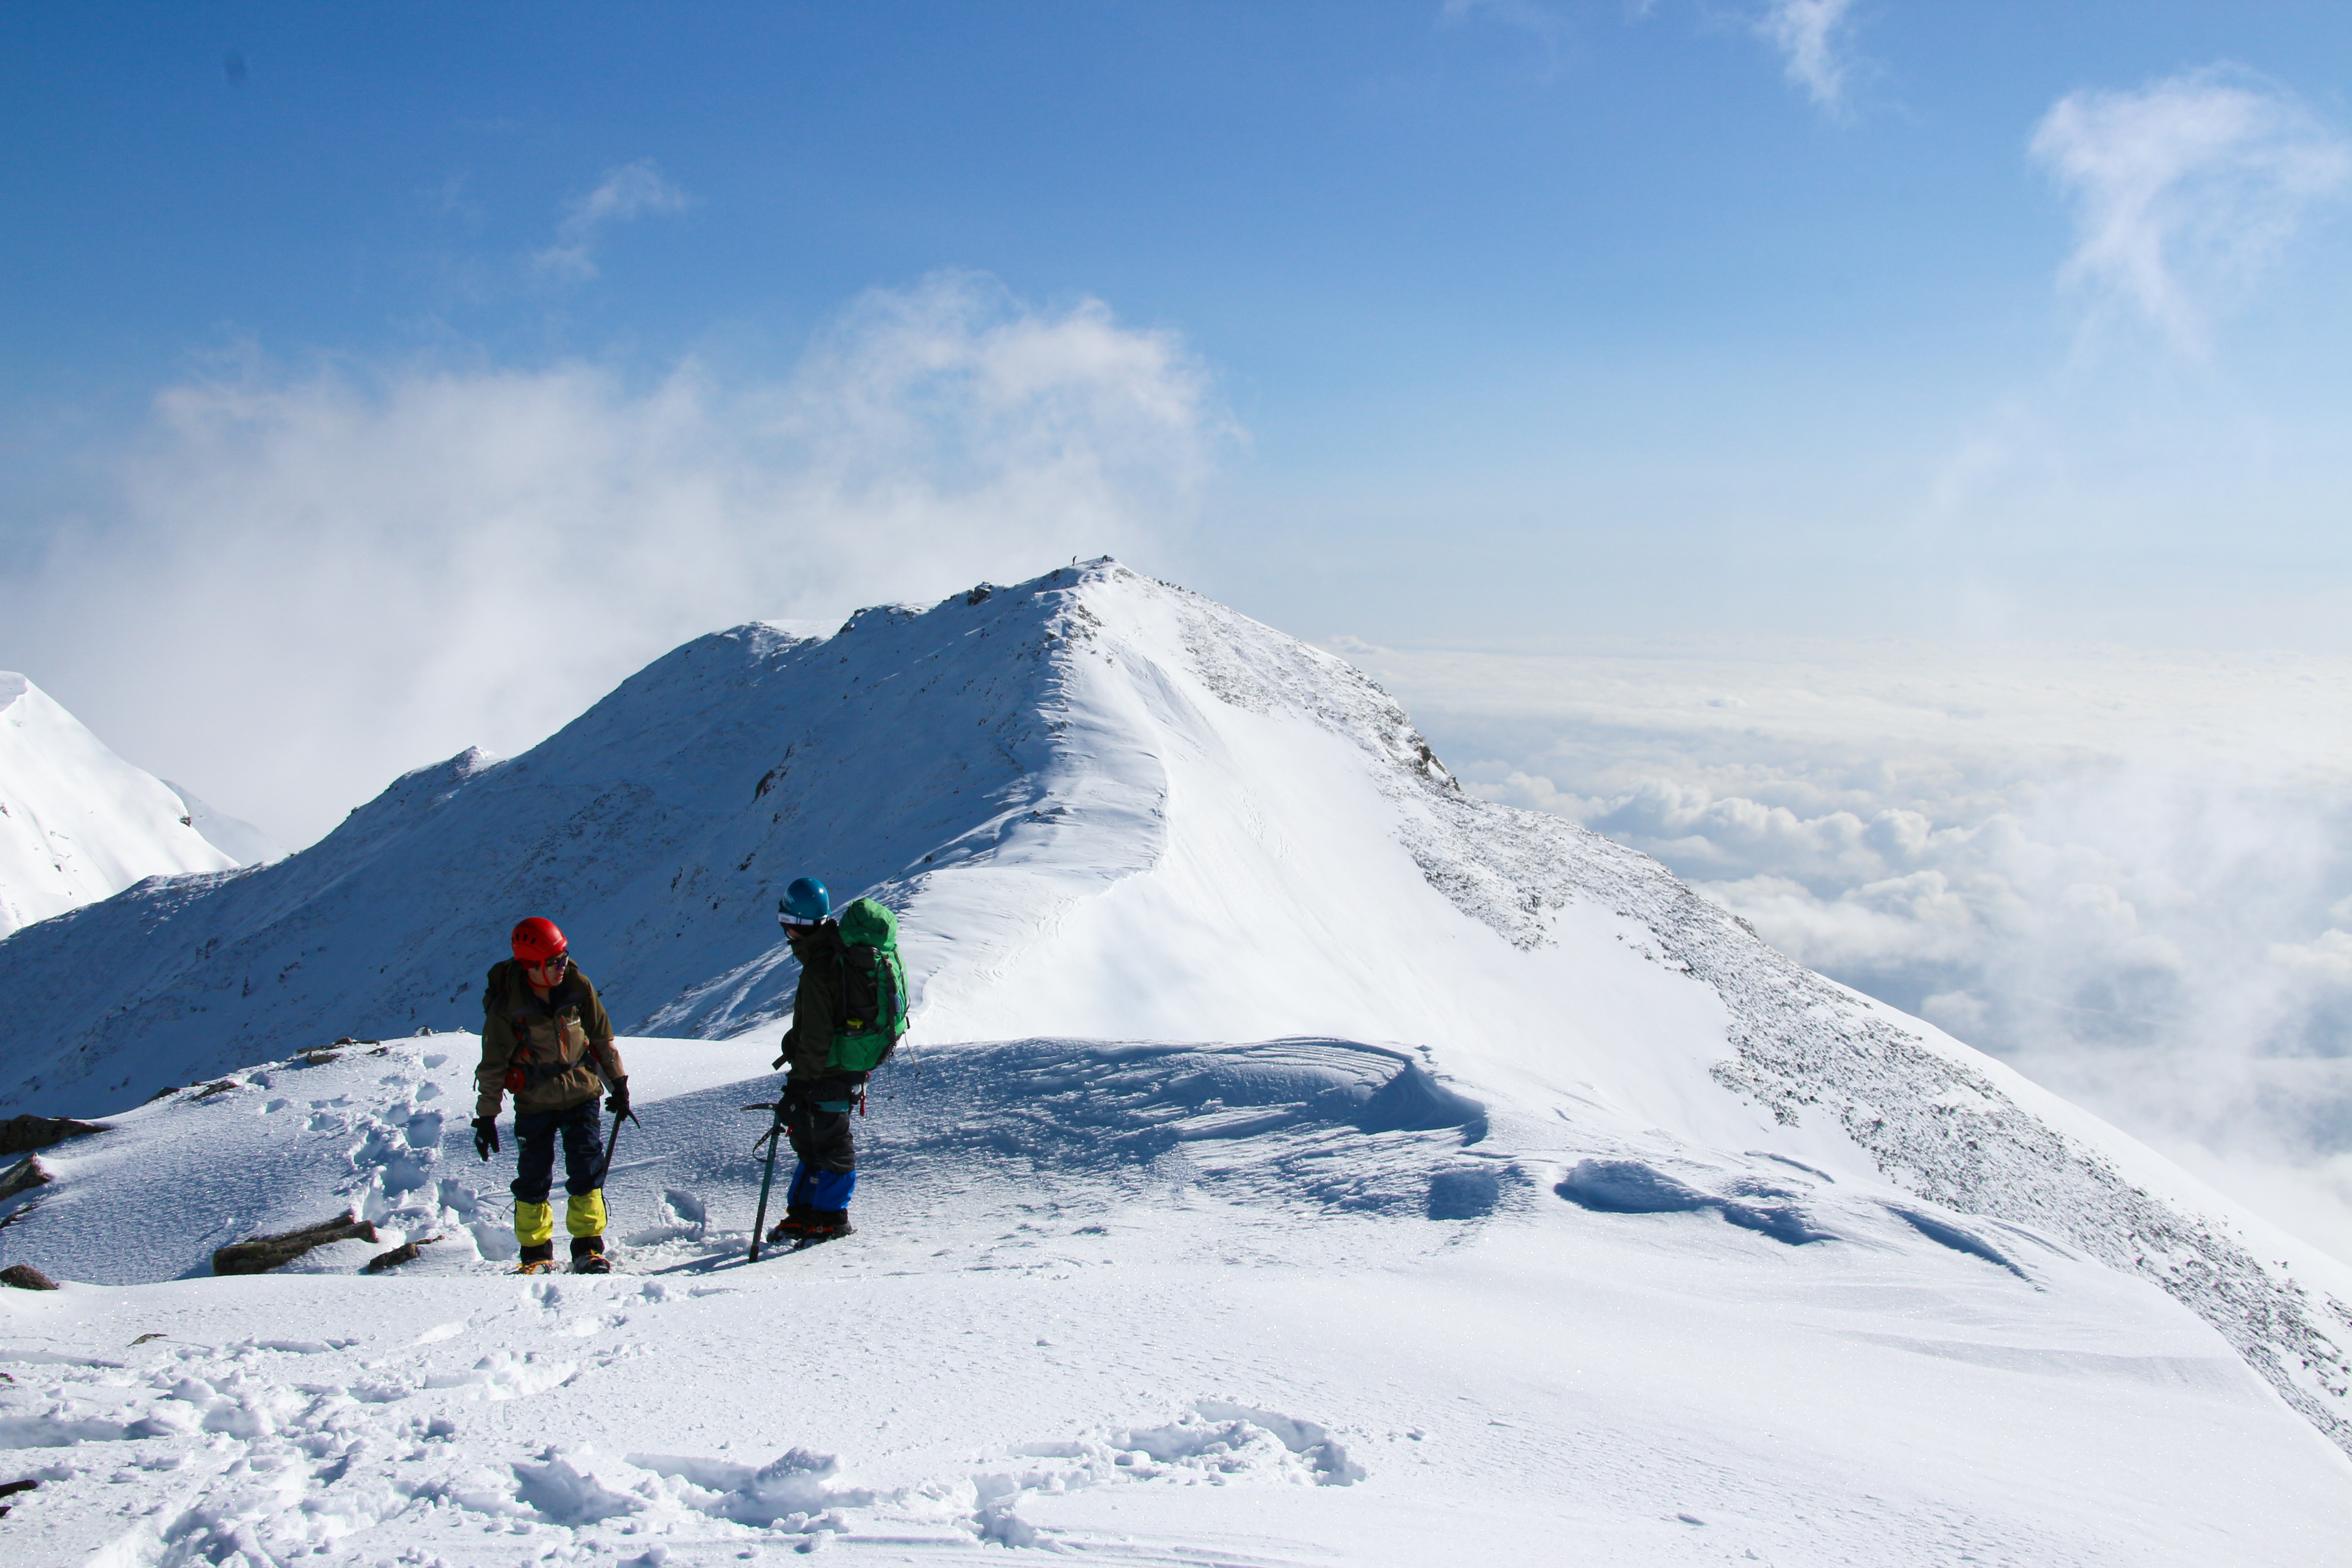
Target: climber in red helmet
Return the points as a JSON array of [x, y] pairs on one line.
[[546, 1039]]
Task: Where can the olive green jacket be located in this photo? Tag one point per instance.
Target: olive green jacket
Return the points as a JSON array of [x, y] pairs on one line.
[[562, 1047], [808, 1044]]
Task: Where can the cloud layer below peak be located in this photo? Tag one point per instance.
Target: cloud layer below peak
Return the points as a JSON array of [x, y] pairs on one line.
[[2123, 871]]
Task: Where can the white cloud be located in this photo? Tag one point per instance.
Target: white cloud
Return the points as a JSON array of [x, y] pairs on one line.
[[309, 582], [2185, 188], [1812, 38], [1809, 35], [2325, 961], [626, 193], [2124, 871]]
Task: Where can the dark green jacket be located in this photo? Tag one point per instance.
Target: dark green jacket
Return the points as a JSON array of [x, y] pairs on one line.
[[808, 1044], [563, 1046]]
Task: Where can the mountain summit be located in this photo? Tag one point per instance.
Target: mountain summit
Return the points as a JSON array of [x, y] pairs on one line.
[[1106, 808], [78, 822], [987, 766]]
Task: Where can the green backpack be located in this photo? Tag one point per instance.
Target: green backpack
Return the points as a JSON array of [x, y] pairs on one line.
[[872, 986]]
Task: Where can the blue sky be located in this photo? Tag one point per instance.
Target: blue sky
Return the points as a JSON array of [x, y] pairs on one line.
[[1496, 322]]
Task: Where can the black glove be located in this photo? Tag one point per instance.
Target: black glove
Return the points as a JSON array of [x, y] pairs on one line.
[[617, 1102], [485, 1136]]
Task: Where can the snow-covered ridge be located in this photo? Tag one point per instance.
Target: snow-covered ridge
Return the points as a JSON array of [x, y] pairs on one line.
[[1931, 1114], [1109, 809], [78, 824], [1943, 1121]]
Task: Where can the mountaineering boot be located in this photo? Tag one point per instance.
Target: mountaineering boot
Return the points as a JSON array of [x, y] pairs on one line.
[[793, 1229], [588, 1256], [825, 1225], [537, 1259]]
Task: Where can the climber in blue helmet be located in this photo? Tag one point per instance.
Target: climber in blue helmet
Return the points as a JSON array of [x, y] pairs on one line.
[[847, 1015]]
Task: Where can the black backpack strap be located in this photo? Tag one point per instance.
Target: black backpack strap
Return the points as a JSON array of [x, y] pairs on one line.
[[839, 952]]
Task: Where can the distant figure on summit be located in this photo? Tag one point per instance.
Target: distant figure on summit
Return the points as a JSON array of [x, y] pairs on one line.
[[545, 1037], [847, 1016]]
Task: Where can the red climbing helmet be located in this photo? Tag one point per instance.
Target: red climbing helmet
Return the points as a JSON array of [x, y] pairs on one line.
[[536, 941]]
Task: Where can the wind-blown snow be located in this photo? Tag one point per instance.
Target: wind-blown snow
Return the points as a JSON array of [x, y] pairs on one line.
[[1298, 1091], [77, 822]]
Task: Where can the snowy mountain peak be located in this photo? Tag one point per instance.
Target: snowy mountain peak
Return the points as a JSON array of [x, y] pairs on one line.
[[1107, 809], [77, 822]]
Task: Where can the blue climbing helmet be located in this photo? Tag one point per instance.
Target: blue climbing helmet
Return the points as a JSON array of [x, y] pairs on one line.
[[805, 903]]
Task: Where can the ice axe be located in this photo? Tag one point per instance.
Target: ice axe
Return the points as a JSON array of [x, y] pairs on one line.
[[759, 1220], [611, 1144]]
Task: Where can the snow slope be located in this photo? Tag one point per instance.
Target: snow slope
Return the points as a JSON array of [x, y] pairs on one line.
[[1107, 809], [77, 822], [658, 828], [1284, 1302], [240, 840]]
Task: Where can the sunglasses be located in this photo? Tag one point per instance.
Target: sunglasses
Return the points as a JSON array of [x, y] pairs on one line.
[[554, 967]]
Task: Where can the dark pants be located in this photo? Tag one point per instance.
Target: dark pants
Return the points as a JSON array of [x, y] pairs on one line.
[[584, 1150], [821, 1139]]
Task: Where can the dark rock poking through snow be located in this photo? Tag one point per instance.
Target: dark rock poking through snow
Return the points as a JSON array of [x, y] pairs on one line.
[[23, 1134], [404, 1253], [24, 1176], [260, 1254]]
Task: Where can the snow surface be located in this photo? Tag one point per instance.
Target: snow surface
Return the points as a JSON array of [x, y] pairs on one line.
[[1246, 1304], [238, 839], [1303, 1105], [77, 822]]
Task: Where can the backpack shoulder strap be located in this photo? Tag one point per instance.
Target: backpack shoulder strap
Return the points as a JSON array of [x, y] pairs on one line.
[[837, 951]]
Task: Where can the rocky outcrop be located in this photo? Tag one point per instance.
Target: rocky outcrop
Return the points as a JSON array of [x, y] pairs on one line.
[[260, 1254], [23, 1134], [24, 1176]]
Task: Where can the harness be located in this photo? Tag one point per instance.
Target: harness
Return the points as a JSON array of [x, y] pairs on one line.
[[554, 1025]]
